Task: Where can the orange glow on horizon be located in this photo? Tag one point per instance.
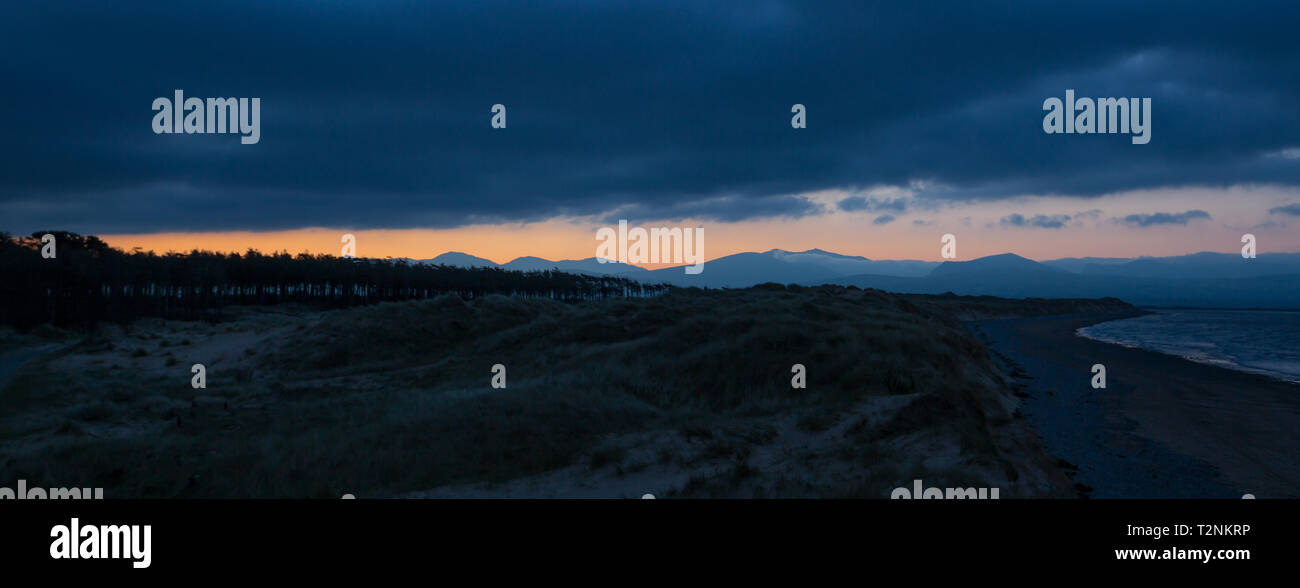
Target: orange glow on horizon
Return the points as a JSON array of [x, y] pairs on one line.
[[1094, 228]]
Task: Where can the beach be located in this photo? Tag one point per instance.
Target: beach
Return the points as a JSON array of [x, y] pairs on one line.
[[1163, 427]]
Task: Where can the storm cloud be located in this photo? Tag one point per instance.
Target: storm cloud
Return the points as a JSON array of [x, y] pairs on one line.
[[377, 116], [1042, 221], [1165, 218], [1290, 209]]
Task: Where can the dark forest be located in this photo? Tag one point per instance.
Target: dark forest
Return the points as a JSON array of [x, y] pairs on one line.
[[87, 281]]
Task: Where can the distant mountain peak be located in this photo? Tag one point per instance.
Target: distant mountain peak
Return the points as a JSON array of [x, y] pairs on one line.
[[529, 258], [458, 259], [992, 264], [1004, 257], [834, 254], [821, 252], [590, 265]]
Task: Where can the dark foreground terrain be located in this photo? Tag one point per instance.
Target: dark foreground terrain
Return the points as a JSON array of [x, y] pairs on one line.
[[684, 394]]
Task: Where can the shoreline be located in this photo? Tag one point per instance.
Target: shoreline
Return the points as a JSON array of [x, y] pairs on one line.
[[1164, 426], [1226, 364]]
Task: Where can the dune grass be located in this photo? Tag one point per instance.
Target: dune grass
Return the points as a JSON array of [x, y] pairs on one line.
[[396, 398]]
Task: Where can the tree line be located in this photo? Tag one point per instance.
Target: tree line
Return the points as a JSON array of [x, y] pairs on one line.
[[87, 281]]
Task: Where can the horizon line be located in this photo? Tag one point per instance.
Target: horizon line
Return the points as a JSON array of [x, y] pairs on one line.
[[647, 267]]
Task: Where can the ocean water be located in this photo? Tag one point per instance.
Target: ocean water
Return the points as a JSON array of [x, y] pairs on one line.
[[1261, 341]]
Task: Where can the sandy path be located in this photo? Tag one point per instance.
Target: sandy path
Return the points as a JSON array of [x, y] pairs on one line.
[[11, 362], [781, 453]]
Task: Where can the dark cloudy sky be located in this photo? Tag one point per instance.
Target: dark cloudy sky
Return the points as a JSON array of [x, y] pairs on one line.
[[922, 116]]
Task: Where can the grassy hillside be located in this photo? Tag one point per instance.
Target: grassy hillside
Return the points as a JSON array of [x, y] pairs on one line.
[[684, 394]]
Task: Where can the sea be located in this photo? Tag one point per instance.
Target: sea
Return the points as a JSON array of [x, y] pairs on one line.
[[1259, 341]]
